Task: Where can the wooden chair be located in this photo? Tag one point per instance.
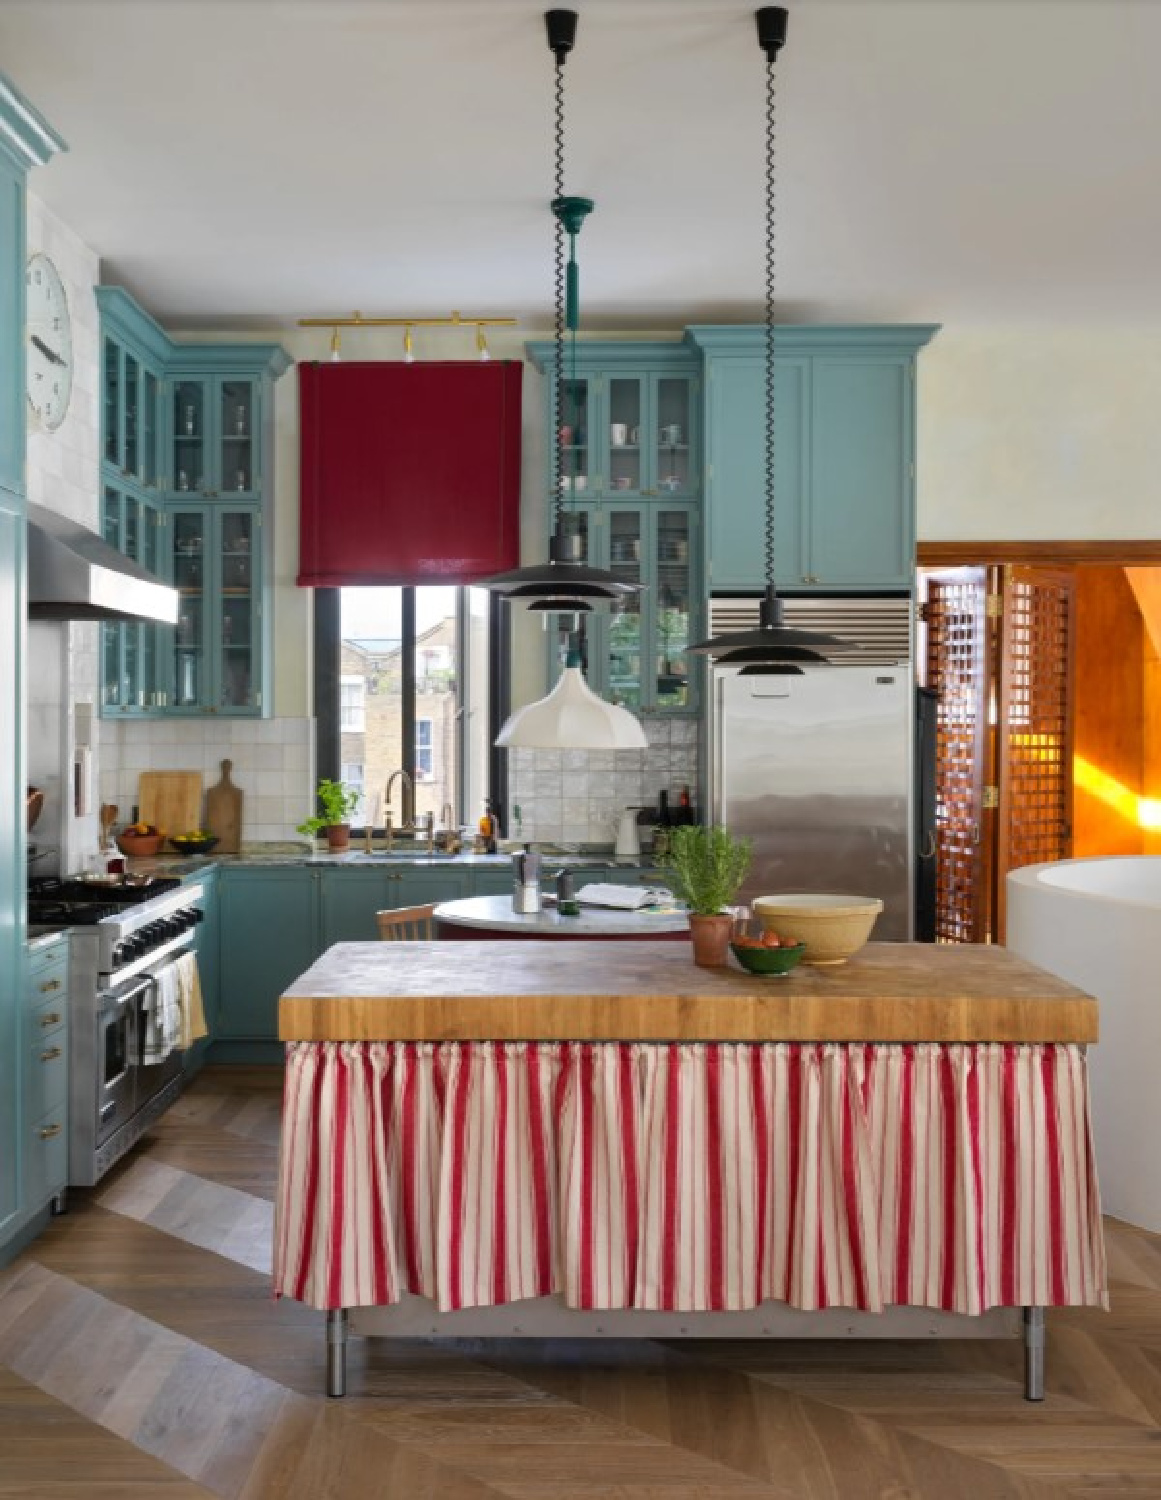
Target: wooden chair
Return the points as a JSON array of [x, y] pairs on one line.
[[406, 924]]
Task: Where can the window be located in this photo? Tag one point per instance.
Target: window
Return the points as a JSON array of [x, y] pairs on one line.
[[404, 680], [424, 763], [352, 776], [353, 705]]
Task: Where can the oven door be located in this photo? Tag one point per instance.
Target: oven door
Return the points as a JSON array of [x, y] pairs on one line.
[[117, 1047], [152, 1076]]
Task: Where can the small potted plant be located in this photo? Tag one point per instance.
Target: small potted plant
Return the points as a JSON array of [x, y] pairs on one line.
[[337, 802], [707, 867]]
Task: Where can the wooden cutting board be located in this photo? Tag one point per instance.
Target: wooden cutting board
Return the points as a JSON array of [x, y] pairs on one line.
[[224, 812], [170, 799]]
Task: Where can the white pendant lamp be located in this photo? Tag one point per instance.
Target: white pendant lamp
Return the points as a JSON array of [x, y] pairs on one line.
[[572, 717]]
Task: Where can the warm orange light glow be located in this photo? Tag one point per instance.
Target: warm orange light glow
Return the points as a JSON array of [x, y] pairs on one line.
[[1145, 812], [1149, 812]]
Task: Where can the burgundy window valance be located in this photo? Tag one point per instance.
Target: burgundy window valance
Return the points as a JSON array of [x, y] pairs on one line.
[[410, 473]]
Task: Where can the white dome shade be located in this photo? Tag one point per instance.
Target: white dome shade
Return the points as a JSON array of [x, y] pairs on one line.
[[572, 717]]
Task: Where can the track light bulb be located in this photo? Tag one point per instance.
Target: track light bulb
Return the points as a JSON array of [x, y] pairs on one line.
[[336, 347], [482, 344], [408, 347]]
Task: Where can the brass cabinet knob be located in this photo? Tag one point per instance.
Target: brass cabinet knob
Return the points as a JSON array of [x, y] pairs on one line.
[[50, 1054], [54, 1018], [48, 1131], [49, 984]]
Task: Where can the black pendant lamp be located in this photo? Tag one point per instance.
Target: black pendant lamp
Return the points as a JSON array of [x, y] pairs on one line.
[[564, 584], [774, 647]]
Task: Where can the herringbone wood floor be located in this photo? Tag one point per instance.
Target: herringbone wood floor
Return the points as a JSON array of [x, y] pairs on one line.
[[141, 1356]]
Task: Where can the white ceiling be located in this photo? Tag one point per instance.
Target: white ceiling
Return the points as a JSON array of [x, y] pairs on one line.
[[238, 161]]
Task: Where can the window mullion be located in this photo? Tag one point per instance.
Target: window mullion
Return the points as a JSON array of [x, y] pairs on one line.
[[407, 680]]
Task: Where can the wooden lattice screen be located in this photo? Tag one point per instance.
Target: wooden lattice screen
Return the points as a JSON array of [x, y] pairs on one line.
[[956, 630], [1035, 722]]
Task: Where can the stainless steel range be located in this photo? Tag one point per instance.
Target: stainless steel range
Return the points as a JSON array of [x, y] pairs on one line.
[[122, 938]]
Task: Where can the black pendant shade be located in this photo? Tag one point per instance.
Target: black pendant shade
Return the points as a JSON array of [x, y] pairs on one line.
[[564, 584], [774, 648]]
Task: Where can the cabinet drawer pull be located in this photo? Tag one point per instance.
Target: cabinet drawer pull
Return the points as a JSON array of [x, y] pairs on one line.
[[54, 1018], [50, 1054], [49, 1131], [48, 985]]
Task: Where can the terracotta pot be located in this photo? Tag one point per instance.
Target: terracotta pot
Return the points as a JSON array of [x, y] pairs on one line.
[[711, 940], [338, 836]]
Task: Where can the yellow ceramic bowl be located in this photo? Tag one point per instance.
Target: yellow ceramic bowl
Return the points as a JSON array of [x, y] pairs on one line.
[[832, 927]]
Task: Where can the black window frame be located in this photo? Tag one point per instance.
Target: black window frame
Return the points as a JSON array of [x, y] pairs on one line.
[[327, 694]]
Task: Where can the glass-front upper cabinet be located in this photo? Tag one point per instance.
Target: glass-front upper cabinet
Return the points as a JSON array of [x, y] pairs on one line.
[[129, 416], [131, 667], [215, 652], [214, 427], [650, 435], [636, 652]]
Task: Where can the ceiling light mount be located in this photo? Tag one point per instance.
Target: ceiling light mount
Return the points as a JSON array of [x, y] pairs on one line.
[[561, 28]]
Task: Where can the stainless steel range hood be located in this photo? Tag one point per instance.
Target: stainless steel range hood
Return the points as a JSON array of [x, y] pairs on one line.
[[74, 575]]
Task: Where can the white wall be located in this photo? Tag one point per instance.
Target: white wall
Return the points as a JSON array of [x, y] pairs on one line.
[[62, 474], [1040, 433]]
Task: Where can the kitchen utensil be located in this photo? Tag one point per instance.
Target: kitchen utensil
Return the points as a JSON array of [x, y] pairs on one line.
[[224, 812], [139, 845], [35, 806], [628, 844], [833, 928], [108, 817], [768, 960], [170, 800], [526, 882], [193, 846]]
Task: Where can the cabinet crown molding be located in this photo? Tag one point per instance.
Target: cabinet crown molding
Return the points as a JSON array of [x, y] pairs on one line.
[[25, 134]]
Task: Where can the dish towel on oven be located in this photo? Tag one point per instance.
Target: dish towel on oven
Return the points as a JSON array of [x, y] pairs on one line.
[[162, 1017], [191, 1011]]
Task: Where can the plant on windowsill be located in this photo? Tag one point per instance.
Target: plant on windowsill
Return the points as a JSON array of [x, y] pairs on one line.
[[706, 867], [337, 802]]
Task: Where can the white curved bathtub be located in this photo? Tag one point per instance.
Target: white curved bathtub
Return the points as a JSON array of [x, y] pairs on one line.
[[1097, 923]]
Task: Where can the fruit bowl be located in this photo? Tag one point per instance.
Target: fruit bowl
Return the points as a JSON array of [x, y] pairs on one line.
[[761, 960], [139, 845], [186, 843], [833, 928]]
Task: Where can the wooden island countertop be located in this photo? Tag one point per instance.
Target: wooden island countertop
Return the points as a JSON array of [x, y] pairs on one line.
[[541, 990]]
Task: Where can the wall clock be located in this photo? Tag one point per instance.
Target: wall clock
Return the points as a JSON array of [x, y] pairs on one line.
[[49, 339]]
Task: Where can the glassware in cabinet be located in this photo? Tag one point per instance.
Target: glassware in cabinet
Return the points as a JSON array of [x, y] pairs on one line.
[[625, 426], [238, 623], [672, 605], [189, 413], [673, 472], [624, 627]]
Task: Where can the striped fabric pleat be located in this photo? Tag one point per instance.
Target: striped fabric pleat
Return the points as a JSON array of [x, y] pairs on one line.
[[688, 1177]]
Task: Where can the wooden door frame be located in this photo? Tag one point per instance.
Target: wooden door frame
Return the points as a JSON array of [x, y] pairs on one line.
[[967, 554]]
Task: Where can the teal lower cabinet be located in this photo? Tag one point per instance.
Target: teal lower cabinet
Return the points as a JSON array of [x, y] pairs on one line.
[[495, 882], [427, 887], [42, 1166], [348, 901], [268, 935]]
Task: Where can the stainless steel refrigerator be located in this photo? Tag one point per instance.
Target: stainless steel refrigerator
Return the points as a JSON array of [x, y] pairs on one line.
[[818, 771]]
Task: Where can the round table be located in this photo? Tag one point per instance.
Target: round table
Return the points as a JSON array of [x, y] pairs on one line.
[[492, 917]]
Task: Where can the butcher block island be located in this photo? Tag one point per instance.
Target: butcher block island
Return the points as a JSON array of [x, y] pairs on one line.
[[525, 1138]]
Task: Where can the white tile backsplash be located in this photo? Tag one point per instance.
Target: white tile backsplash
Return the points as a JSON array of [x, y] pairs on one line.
[[272, 764], [576, 796]]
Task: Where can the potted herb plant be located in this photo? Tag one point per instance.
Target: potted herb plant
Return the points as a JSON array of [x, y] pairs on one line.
[[707, 867], [337, 802]]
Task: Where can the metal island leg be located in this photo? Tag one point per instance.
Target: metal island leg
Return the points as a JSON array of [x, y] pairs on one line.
[[337, 1351], [1034, 1354]]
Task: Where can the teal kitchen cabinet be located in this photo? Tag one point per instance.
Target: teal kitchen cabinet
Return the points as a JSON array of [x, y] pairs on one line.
[[844, 455], [45, 1080], [26, 141], [268, 935], [214, 433], [631, 420], [215, 660], [631, 459], [188, 433], [348, 901], [636, 650], [131, 661]]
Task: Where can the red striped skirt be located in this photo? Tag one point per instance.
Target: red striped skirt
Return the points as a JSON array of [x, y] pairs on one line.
[[688, 1177]]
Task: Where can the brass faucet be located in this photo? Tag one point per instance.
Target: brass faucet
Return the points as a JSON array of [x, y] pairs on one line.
[[448, 837], [408, 809]]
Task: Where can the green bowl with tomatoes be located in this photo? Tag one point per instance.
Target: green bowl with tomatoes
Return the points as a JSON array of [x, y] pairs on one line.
[[756, 958]]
